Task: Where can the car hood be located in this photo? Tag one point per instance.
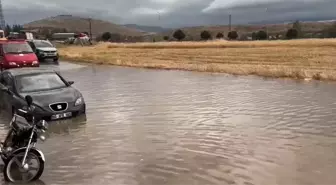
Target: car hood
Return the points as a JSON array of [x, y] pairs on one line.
[[47, 49], [44, 98], [29, 57]]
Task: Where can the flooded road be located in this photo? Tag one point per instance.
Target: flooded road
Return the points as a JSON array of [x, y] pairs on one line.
[[147, 127]]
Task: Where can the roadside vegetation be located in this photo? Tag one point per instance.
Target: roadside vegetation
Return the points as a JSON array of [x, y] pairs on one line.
[[294, 31], [299, 58]]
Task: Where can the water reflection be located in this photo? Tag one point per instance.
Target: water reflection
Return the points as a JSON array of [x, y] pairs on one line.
[[173, 127]]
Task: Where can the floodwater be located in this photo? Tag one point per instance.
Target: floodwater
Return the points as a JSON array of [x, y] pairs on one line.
[[148, 127]]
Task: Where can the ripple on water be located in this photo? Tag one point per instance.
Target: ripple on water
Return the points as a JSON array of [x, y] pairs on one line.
[[173, 127]]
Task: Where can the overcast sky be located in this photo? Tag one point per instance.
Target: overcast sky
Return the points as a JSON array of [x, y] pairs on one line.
[[172, 13]]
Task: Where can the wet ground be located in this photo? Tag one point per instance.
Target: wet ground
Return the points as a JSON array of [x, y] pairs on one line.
[[147, 127]]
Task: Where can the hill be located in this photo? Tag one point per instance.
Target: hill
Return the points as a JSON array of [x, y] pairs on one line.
[[194, 32], [75, 23], [155, 29]]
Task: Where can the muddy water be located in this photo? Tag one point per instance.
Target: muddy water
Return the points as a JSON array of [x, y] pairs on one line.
[[147, 127]]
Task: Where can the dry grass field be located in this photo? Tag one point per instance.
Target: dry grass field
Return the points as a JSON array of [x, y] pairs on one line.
[[301, 59]]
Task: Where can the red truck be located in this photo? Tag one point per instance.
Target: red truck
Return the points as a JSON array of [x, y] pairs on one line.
[[16, 53]]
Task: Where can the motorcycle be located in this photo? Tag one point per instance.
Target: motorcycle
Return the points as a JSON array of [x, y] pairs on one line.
[[23, 161]]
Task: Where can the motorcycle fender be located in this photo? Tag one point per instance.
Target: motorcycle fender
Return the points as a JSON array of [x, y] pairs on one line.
[[41, 155]]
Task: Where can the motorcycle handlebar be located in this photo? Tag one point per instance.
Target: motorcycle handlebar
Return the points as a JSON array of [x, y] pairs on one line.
[[23, 111]]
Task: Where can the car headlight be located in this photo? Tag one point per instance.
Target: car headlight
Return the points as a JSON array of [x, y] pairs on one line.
[[12, 63], [35, 62], [79, 101]]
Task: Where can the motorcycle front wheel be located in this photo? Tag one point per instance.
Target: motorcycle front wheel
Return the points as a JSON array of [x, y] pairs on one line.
[[14, 172]]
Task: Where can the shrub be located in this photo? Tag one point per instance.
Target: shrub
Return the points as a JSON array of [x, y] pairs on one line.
[[205, 35], [261, 35], [106, 36], [292, 34], [179, 35], [219, 35], [233, 35]]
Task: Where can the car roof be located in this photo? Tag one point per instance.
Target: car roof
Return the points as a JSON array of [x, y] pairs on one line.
[[28, 71]]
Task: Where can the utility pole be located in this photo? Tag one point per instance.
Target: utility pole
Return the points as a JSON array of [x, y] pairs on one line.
[[159, 22], [267, 25], [90, 27], [2, 18], [230, 22]]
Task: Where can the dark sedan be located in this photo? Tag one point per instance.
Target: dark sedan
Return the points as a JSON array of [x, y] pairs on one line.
[[53, 97]]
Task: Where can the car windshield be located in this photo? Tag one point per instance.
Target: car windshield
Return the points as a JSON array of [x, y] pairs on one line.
[[42, 44], [17, 48], [38, 82]]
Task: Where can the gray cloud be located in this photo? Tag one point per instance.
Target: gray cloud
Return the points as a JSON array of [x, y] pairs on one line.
[[172, 13]]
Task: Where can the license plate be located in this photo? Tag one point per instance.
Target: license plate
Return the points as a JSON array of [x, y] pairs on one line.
[[62, 115]]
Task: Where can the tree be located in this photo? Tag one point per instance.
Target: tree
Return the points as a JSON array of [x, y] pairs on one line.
[[166, 38], [179, 35], [17, 28], [219, 35], [292, 34], [205, 35], [106, 36], [8, 29], [297, 26], [232, 35], [261, 35]]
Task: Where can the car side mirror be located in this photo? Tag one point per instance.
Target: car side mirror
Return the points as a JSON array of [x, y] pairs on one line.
[[71, 82]]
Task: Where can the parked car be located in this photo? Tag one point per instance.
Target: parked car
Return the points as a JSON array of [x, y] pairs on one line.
[[44, 49], [17, 53], [53, 97]]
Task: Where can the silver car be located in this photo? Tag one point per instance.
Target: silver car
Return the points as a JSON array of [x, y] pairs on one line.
[[44, 50]]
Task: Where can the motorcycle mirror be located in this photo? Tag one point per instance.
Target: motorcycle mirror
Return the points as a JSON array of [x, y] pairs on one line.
[[29, 100]]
